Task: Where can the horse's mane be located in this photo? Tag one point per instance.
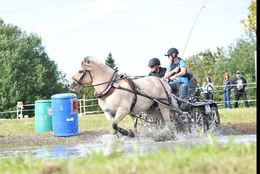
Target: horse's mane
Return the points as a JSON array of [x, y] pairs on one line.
[[98, 63]]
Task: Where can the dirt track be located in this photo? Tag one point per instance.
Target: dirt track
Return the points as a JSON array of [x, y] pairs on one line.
[[47, 138]]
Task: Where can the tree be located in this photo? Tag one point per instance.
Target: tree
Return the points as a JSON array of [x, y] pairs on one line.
[[241, 57], [204, 63], [250, 22], [27, 73], [238, 56], [111, 62]]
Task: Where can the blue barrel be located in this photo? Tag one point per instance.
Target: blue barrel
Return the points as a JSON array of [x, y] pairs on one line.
[[64, 114]]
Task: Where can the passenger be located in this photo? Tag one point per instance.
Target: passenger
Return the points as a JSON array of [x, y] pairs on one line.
[[177, 72], [208, 88], [156, 70]]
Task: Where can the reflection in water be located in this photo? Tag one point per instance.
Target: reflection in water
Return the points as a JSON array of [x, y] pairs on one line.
[[127, 146], [60, 152]]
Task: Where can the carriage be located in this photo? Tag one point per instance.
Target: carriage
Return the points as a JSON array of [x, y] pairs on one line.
[[148, 100], [195, 112]]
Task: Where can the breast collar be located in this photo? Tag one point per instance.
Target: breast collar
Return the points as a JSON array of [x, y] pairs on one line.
[[109, 89]]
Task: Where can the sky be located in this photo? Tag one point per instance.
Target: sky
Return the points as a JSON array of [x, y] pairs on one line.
[[134, 31]]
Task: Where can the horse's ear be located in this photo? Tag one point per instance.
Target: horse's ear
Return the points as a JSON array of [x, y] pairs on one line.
[[86, 60], [86, 65]]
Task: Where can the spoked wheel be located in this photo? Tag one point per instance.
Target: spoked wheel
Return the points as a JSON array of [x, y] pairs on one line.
[[214, 120], [145, 120], [181, 122], [198, 120]]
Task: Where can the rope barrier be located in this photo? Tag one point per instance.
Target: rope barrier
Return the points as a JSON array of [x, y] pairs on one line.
[[233, 101], [216, 86]]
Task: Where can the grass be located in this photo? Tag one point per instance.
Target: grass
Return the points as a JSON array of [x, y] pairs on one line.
[[209, 158], [99, 122], [238, 115]]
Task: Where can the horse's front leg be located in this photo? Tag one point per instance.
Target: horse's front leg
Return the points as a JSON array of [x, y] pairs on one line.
[[118, 117], [124, 132]]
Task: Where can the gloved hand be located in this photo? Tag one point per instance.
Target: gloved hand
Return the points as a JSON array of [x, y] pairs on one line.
[[167, 80], [121, 76]]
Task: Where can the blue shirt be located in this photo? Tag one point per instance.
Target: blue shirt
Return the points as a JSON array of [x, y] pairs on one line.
[[181, 64]]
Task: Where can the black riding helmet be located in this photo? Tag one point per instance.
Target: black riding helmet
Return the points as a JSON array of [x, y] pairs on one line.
[[172, 51], [154, 61]]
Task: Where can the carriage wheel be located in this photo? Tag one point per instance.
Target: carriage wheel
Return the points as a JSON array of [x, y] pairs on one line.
[[198, 120], [145, 120], [214, 120], [149, 122]]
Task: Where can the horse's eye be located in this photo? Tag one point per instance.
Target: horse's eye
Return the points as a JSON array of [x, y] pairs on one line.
[[80, 71]]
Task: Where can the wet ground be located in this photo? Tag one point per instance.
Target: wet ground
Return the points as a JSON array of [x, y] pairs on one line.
[[48, 146]]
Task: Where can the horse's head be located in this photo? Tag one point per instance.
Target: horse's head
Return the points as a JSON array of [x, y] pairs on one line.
[[82, 77]]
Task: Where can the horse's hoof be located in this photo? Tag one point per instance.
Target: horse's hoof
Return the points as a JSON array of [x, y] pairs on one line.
[[131, 133]]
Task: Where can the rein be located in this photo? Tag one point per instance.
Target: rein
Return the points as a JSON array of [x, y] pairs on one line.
[[112, 85]]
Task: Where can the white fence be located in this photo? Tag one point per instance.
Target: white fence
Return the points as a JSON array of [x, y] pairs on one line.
[[218, 89], [90, 106], [85, 106]]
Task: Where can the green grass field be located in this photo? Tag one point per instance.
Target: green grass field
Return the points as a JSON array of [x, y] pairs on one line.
[[98, 122]]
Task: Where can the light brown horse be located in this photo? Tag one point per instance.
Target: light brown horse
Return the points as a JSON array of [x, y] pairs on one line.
[[116, 102]]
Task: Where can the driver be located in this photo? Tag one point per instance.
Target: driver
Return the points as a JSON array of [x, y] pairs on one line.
[[156, 70], [177, 72]]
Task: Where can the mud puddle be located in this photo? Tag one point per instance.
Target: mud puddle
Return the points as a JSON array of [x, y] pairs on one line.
[[105, 142]]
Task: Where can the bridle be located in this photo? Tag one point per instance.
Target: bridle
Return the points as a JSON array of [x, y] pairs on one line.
[[84, 73]]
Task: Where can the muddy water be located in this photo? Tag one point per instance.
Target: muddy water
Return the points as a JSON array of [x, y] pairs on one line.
[[127, 146]]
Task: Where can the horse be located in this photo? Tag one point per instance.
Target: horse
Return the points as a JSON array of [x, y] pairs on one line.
[[118, 97]]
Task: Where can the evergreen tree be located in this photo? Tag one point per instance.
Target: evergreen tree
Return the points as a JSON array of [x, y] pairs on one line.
[[111, 62]]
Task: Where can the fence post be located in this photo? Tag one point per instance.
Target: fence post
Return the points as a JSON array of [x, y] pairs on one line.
[[19, 109], [17, 112], [80, 109], [84, 103]]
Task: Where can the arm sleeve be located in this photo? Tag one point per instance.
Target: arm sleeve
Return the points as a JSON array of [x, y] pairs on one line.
[[169, 66], [183, 64], [245, 81], [230, 85]]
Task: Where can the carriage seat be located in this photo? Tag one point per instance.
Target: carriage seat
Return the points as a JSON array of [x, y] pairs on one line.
[[192, 86]]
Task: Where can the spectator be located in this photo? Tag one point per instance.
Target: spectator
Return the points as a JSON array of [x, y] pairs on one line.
[[240, 85], [156, 70], [227, 90], [208, 88]]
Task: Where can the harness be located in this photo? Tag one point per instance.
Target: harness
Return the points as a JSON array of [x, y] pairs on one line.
[[134, 89], [109, 89]]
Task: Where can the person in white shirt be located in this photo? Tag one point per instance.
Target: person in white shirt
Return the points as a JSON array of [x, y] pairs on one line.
[[208, 88]]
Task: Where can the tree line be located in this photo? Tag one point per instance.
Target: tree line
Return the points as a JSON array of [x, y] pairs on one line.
[[28, 74], [239, 55]]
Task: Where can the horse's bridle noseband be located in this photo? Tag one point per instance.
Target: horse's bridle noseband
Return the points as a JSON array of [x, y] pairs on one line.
[[84, 72]]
